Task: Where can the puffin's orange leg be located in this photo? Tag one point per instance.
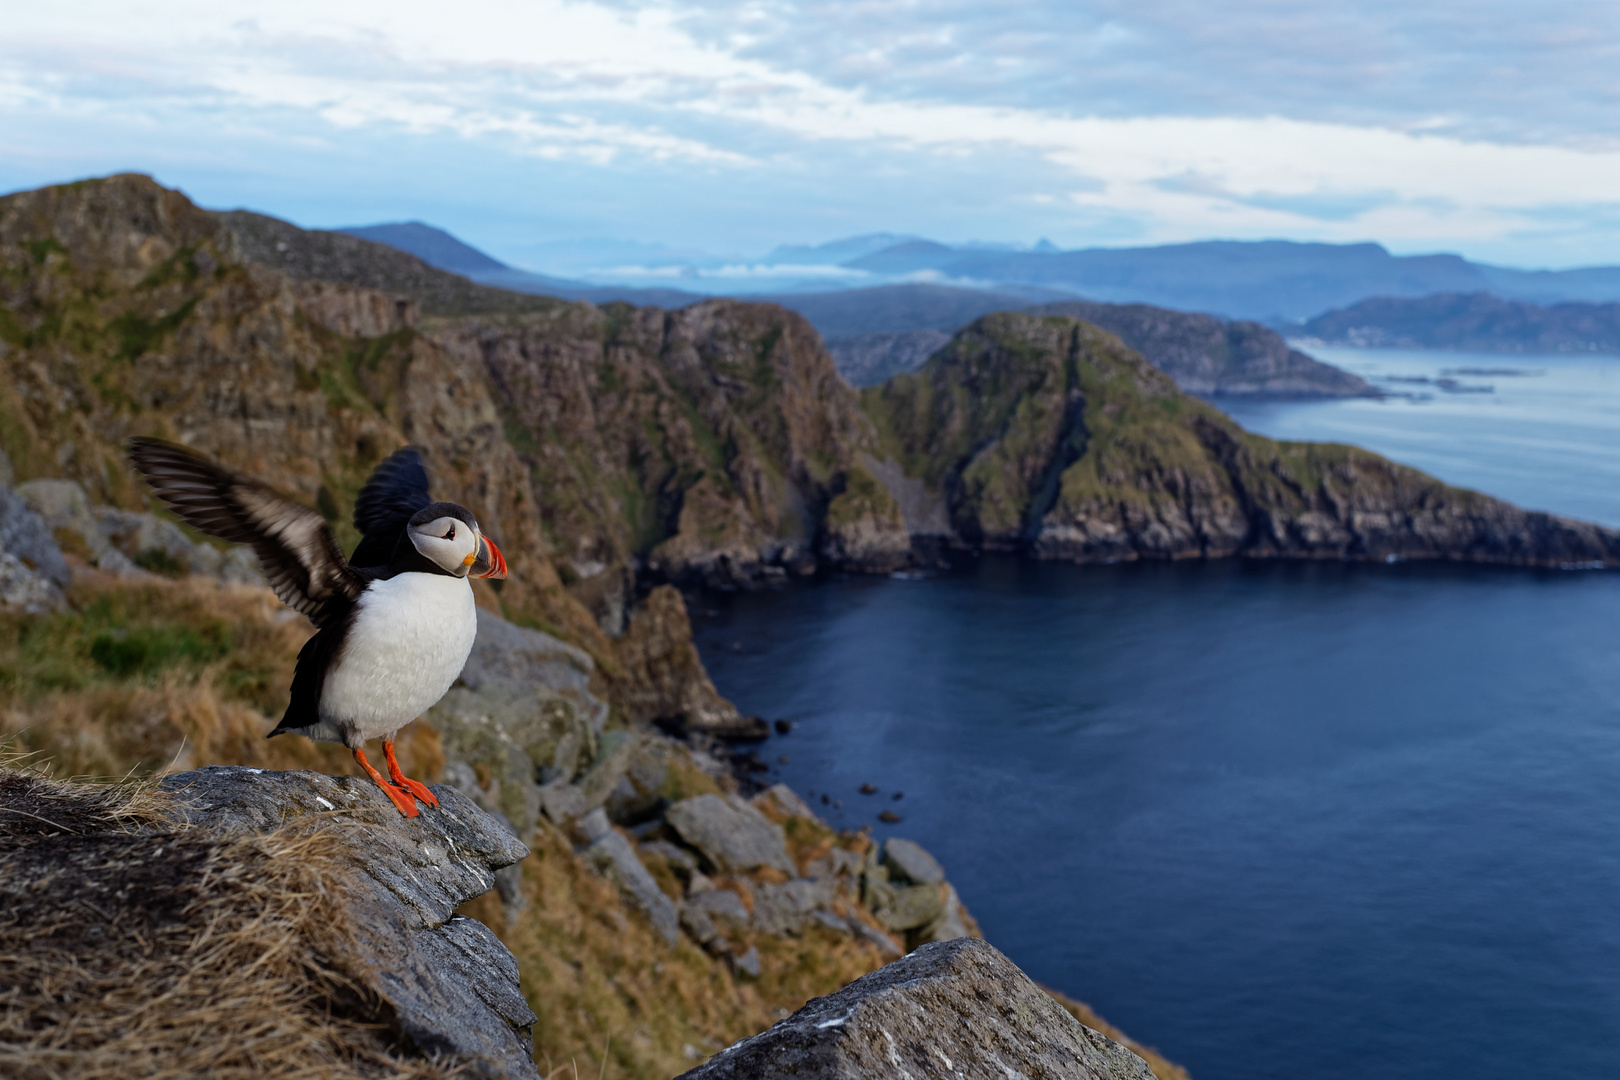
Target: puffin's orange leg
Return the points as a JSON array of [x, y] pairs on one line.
[[401, 799], [420, 790]]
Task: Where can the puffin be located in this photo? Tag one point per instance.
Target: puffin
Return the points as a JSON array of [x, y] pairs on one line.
[[394, 622]]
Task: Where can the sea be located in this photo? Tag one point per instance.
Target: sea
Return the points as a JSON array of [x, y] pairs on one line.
[[1283, 821]]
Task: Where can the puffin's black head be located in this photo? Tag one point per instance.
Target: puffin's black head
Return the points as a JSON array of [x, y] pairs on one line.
[[446, 534]]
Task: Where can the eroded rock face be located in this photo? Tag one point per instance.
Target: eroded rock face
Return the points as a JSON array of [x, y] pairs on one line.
[[1212, 357], [1046, 435], [453, 985], [953, 1008]]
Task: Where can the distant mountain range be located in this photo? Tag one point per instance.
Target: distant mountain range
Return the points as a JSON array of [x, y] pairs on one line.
[[1476, 322], [438, 248], [1280, 282], [1267, 280]]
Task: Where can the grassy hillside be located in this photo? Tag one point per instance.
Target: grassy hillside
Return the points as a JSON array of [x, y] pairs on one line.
[[1043, 433]]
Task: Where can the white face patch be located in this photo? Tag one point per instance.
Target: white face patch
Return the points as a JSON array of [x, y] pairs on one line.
[[449, 542]]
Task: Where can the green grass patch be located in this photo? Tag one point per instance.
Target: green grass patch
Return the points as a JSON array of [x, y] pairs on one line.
[[135, 335]]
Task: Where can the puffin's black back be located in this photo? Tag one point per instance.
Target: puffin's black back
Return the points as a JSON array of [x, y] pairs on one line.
[[397, 489]]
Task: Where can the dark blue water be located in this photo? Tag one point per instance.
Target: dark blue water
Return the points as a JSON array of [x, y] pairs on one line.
[[1302, 822], [1292, 821]]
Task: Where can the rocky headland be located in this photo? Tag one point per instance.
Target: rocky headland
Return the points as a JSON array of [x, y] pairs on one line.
[[1471, 322], [1216, 358]]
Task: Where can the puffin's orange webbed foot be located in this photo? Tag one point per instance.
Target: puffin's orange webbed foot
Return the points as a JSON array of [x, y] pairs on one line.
[[415, 787], [401, 799]]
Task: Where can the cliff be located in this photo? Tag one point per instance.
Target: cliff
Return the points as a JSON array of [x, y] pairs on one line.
[[1212, 357], [238, 923], [1473, 322], [1045, 434]]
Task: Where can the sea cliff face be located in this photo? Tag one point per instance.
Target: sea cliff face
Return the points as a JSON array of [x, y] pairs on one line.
[[1045, 434], [1212, 357]]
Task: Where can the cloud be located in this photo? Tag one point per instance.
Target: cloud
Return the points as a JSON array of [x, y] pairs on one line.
[[1157, 120]]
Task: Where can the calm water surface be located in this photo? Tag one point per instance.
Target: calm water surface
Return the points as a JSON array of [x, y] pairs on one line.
[[1283, 821], [1546, 436]]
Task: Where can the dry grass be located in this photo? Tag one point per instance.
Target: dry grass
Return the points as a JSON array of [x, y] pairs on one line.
[[204, 682], [600, 978], [163, 676], [132, 947]]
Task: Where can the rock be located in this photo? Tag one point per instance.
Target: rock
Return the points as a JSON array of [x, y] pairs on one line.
[[837, 862], [678, 858], [951, 924], [731, 834], [787, 908], [522, 719], [32, 570], [598, 783], [452, 984], [957, 1008], [157, 545], [665, 682], [865, 529], [22, 589], [912, 906], [25, 536], [562, 801], [63, 505], [1103, 459], [639, 796], [613, 857], [696, 921], [595, 825], [721, 905], [1212, 357], [785, 801], [884, 944], [507, 653], [907, 860], [748, 963]]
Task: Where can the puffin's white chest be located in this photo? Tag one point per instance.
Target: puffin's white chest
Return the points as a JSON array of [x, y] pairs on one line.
[[409, 641]]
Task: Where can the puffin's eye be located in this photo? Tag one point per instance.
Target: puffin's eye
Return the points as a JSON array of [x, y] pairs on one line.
[[451, 535]]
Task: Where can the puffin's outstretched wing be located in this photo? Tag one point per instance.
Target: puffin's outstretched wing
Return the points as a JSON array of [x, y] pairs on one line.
[[397, 489], [299, 554]]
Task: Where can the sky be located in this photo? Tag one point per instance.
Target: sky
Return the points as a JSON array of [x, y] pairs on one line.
[[655, 130]]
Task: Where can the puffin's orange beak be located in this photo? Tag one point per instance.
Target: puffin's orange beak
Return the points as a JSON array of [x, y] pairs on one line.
[[488, 563]]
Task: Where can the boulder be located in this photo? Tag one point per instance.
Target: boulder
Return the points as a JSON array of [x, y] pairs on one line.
[[451, 983], [507, 653], [783, 800], [731, 834], [613, 857], [64, 507], [907, 861], [789, 907], [32, 570], [722, 906], [912, 906], [957, 1008], [952, 922], [520, 724], [164, 547]]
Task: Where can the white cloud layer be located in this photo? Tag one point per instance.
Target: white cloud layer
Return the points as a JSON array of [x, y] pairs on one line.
[[1074, 120]]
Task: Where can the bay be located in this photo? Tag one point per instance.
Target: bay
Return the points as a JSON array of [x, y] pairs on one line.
[[1280, 820], [1539, 431]]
